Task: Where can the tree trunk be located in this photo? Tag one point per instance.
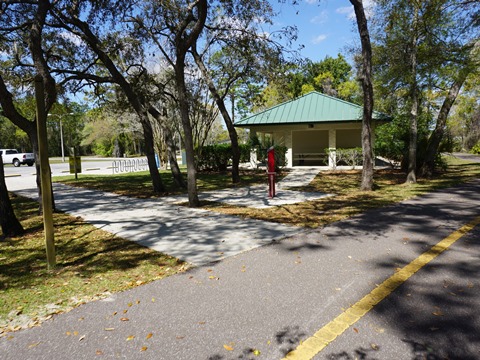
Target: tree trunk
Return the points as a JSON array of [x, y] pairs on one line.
[[226, 116], [412, 148], [187, 130], [157, 184], [183, 42], [428, 167], [176, 173], [136, 100], [172, 159], [8, 221], [367, 148]]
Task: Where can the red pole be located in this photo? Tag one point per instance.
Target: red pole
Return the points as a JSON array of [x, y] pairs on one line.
[[271, 172]]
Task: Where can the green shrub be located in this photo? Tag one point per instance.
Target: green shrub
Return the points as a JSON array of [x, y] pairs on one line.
[[213, 157], [476, 148], [350, 157], [244, 152]]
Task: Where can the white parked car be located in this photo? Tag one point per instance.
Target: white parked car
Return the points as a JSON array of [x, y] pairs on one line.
[[12, 156]]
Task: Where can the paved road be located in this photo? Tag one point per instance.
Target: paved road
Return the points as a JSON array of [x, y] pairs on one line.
[[23, 177], [262, 303]]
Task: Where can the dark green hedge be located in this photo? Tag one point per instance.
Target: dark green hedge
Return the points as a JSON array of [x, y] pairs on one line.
[[218, 157]]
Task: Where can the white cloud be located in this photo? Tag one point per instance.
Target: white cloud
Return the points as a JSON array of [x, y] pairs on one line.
[[368, 5], [319, 39], [348, 10], [75, 39], [321, 18]]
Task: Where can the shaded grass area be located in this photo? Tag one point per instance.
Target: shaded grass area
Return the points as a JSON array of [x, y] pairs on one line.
[[91, 263], [139, 184], [348, 199]]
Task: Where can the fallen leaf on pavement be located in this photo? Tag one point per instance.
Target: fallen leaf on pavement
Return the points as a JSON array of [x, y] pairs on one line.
[[228, 348], [149, 335], [124, 319], [131, 337], [144, 348]]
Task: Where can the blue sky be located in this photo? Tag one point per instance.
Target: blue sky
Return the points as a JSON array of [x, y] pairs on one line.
[[325, 27]]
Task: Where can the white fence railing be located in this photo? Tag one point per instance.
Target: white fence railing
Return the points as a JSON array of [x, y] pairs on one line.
[[129, 165]]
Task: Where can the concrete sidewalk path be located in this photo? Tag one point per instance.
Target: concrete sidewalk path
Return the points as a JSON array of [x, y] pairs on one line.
[[263, 303], [256, 196], [193, 235]]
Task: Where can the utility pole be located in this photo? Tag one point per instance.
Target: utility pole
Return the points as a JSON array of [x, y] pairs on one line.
[[45, 176]]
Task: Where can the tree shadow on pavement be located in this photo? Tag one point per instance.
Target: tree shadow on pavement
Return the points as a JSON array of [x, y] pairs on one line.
[[435, 311]]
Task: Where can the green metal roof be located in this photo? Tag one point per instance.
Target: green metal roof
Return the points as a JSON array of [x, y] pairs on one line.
[[313, 107]]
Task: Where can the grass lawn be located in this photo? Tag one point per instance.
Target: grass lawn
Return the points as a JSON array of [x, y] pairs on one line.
[[139, 184], [349, 200], [93, 263]]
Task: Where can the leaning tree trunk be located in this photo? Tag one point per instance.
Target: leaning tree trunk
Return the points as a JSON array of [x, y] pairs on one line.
[[8, 221], [428, 167], [367, 172], [158, 186], [232, 133], [172, 158]]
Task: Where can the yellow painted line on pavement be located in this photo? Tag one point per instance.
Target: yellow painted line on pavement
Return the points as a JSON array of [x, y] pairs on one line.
[[316, 343]]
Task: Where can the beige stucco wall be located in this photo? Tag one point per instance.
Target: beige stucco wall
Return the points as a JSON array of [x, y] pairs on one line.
[[349, 138], [306, 141]]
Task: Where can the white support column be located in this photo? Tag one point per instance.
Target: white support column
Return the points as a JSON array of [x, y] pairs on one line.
[[253, 152], [332, 146], [289, 145]]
